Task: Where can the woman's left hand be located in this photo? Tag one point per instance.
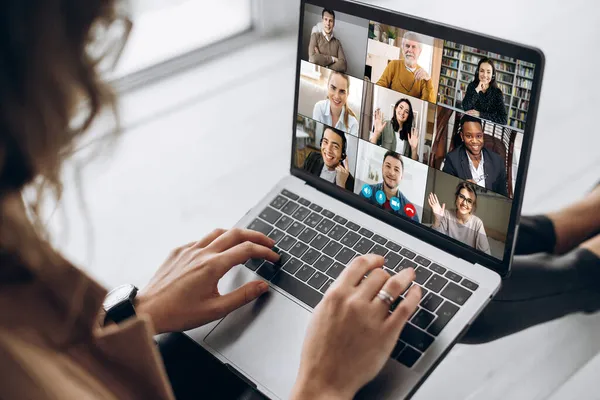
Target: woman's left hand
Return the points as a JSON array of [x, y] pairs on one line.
[[473, 113], [183, 293], [413, 139], [342, 174]]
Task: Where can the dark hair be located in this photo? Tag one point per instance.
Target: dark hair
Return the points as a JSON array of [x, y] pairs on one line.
[[406, 127], [469, 188], [48, 76], [340, 134], [395, 155], [469, 118], [486, 60], [326, 10]]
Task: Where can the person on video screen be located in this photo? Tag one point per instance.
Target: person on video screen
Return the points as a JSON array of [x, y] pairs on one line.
[[484, 99], [397, 134], [461, 223], [473, 162], [387, 195], [334, 111], [331, 163], [324, 49], [405, 75]]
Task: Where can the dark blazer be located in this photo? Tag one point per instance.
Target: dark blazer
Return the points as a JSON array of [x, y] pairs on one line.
[[314, 164], [456, 163]]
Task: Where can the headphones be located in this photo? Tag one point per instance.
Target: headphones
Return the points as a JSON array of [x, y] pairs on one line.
[[344, 143]]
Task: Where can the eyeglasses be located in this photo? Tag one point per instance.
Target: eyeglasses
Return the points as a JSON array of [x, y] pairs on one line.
[[466, 200], [479, 178], [109, 42]]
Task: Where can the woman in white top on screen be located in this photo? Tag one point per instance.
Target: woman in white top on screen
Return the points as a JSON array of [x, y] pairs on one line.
[[461, 223], [335, 111]]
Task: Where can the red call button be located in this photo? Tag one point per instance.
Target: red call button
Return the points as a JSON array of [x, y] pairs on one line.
[[410, 210]]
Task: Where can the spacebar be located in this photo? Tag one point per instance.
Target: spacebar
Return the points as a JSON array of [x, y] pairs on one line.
[[297, 289]]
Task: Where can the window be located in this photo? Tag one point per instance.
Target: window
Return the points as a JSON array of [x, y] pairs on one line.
[[166, 29], [173, 34]]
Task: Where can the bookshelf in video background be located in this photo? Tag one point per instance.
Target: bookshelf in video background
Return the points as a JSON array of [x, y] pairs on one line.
[[514, 77]]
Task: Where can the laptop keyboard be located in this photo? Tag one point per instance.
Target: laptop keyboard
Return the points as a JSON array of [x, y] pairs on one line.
[[315, 246]]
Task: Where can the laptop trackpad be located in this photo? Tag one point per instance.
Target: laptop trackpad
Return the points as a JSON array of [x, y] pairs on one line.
[[263, 340]]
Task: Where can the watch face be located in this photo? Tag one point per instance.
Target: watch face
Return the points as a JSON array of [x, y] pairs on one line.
[[118, 295]]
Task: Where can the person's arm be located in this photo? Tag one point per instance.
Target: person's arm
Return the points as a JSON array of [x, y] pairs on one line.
[[387, 77], [340, 64], [317, 113], [470, 98], [353, 128], [499, 115], [317, 58], [352, 332], [501, 184], [449, 166], [350, 183], [308, 163], [438, 211], [195, 270], [427, 92], [481, 241]]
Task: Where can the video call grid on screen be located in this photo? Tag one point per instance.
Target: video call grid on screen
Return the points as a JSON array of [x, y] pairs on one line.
[[463, 101]]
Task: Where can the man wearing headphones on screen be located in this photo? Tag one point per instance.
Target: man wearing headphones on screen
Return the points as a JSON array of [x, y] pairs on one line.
[[331, 163]]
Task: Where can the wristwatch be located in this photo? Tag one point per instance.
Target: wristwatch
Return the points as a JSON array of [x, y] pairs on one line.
[[118, 303]]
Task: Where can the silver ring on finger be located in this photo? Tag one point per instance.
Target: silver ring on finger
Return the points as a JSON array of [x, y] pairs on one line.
[[385, 297]]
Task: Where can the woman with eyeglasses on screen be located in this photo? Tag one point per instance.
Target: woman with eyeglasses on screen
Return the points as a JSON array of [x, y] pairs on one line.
[[461, 223], [334, 111], [484, 99]]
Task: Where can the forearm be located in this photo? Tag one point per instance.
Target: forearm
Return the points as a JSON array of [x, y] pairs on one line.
[[321, 59], [469, 101], [339, 65], [310, 390], [375, 136]]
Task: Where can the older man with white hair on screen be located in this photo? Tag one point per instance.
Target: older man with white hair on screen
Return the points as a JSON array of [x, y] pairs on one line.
[[405, 75]]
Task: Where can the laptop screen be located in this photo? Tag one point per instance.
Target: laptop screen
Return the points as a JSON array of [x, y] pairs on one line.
[[427, 129]]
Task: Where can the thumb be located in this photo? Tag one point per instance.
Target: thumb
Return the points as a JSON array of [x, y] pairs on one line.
[[239, 297], [443, 207]]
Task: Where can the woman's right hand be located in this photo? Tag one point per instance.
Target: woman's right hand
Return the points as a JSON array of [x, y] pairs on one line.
[[481, 87], [380, 123], [434, 203], [352, 333]]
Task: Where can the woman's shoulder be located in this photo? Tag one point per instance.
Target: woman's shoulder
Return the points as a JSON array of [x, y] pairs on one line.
[[321, 103], [476, 221]]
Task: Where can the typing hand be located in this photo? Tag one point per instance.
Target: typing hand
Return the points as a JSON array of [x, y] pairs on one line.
[[352, 334], [183, 293]]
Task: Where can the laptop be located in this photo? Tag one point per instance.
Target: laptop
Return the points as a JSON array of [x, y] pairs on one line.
[[410, 139]]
